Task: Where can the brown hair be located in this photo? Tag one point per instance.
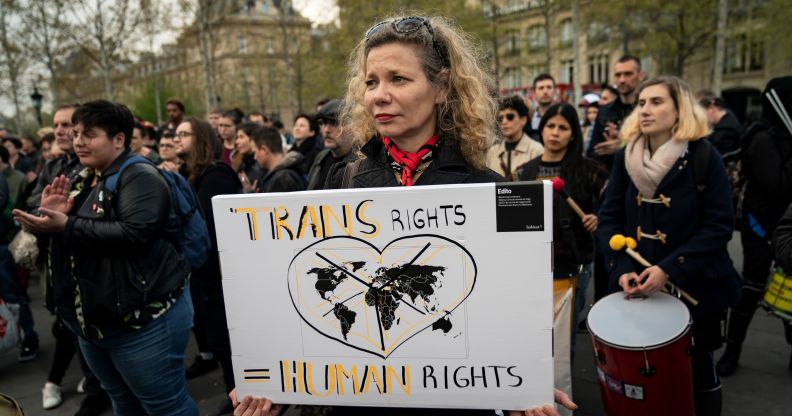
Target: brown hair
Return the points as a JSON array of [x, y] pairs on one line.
[[204, 148]]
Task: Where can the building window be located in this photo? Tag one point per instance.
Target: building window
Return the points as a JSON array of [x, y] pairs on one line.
[[744, 54], [536, 38], [598, 69], [265, 6], [511, 43], [270, 49], [513, 77], [598, 32], [567, 33], [534, 71], [242, 44], [567, 71]]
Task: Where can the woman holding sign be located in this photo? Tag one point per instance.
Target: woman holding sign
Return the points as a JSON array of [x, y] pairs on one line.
[[669, 190], [419, 104]]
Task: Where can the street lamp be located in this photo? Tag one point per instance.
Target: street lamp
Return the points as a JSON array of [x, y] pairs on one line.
[[36, 98]]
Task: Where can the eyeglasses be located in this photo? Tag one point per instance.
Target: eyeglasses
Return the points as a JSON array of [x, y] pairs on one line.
[[166, 146], [182, 134], [409, 25], [509, 116], [225, 126]]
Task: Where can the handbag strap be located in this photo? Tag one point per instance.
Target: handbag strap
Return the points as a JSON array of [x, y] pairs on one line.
[[9, 406]]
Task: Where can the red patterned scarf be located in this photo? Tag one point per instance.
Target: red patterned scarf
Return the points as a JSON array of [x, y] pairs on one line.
[[406, 163]]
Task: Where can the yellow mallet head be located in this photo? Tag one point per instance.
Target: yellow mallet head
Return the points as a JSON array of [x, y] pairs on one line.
[[631, 243], [617, 242]]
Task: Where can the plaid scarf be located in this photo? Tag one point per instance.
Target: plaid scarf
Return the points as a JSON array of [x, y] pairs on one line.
[[406, 163]]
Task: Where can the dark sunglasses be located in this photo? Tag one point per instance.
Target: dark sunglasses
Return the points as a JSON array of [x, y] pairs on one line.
[[509, 116], [409, 25]]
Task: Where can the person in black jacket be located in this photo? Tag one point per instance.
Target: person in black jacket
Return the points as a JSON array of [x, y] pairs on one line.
[[67, 164], [417, 85], [573, 242], [767, 167], [337, 142], [199, 147], [284, 172], [605, 132], [119, 283], [726, 129], [782, 241]]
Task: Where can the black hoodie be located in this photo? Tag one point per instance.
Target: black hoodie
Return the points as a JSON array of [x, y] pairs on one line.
[[726, 134], [286, 176], [767, 160]]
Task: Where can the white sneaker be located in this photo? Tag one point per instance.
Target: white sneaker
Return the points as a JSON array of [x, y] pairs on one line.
[[51, 396], [81, 386]]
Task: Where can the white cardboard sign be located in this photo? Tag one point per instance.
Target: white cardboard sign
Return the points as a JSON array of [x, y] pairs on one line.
[[435, 296]]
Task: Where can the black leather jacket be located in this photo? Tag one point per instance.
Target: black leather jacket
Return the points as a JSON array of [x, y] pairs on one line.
[[448, 167], [115, 251]]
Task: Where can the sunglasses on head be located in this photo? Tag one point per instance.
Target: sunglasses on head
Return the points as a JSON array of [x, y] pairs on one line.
[[409, 25], [509, 116]]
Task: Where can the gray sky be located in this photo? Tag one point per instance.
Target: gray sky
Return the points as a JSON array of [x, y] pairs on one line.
[[317, 11]]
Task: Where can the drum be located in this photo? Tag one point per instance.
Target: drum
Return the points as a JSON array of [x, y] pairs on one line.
[[778, 296], [642, 349]]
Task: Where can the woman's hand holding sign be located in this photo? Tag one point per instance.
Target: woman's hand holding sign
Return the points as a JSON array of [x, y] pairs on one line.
[[264, 407]]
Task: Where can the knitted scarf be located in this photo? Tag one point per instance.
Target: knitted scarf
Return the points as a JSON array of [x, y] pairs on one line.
[[647, 170], [406, 163]]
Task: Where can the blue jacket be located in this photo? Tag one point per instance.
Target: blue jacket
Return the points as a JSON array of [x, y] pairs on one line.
[[697, 225]]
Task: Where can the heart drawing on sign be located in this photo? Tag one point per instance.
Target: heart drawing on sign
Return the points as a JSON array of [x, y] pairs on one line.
[[374, 300]]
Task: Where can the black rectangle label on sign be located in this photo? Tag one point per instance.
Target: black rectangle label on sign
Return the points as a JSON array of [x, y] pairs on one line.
[[519, 206]]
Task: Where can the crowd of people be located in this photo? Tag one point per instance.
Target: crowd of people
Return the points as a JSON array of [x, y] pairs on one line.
[[645, 158]]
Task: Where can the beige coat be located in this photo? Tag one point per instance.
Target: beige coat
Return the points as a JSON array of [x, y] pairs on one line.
[[527, 149]]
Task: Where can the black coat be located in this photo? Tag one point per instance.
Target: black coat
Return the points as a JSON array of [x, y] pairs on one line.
[[217, 179], [767, 161], [782, 241], [315, 178], [573, 246], [309, 148], [726, 134], [698, 226], [614, 112], [448, 167], [287, 176], [61, 165], [115, 249]]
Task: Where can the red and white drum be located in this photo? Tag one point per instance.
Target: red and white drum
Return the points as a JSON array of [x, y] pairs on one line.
[[642, 353]]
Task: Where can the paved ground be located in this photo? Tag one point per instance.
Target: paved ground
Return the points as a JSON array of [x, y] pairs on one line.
[[761, 386]]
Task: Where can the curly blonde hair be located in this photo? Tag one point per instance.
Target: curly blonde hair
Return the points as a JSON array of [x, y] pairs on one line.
[[452, 61], [692, 123]]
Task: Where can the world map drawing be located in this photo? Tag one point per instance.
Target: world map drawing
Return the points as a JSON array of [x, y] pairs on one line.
[[375, 300]]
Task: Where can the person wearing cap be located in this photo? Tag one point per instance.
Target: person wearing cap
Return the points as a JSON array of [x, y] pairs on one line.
[[337, 143]]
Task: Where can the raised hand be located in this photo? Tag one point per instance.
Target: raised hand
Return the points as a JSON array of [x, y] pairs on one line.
[[55, 196]]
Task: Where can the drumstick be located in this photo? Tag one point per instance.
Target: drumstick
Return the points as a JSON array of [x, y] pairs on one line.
[[619, 242], [558, 186]]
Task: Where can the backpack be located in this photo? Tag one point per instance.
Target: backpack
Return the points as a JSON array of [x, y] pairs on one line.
[[186, 219]]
